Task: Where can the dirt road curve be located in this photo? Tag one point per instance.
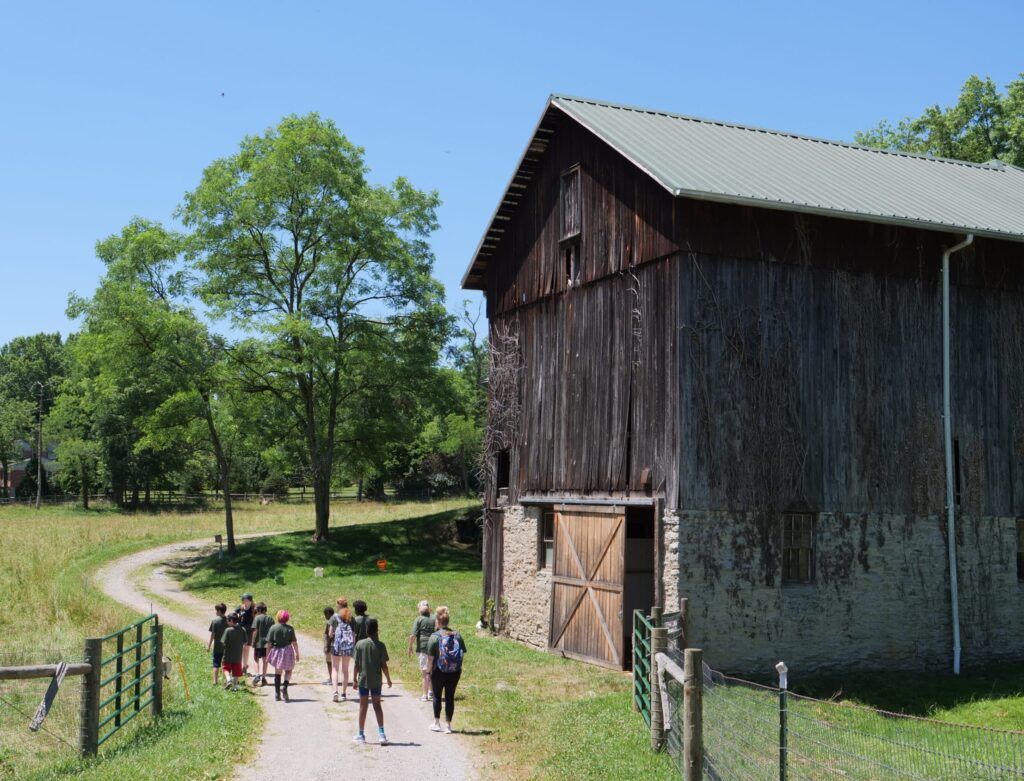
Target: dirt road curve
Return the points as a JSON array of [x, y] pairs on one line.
[[308, 739]]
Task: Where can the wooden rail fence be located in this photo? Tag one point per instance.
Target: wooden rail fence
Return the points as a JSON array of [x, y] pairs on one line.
[[116, 687]]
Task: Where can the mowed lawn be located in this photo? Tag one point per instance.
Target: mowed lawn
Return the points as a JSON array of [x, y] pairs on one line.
[[528, 714], [50, 606]]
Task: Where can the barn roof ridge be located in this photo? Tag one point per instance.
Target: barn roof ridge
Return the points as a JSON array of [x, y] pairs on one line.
[[990, 165], [744, 165]]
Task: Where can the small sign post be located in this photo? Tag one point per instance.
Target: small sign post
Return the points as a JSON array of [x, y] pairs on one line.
[[219, 539]]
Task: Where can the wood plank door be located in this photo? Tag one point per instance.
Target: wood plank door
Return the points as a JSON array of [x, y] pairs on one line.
[[586, 586]]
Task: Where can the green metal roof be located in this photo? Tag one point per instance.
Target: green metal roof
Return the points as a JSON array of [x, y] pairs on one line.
[[721, 161]]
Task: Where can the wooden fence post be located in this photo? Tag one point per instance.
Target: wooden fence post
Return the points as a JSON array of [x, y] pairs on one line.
[[89, 710], [693, 715], [158, 668], [659, 644], [684, 630]]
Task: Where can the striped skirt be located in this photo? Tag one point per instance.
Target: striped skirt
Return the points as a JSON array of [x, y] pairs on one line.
[[281, 658]]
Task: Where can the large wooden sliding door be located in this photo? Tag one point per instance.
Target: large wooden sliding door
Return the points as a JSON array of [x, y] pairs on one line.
[[587, 584]]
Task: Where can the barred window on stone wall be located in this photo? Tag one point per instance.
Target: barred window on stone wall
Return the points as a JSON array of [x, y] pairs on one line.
[[546, 541], [1020, 550], [797, 547]]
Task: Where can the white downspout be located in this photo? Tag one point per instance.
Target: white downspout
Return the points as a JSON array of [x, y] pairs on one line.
[[947, 430]]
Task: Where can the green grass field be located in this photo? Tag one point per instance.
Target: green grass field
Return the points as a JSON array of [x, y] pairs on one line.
[[532, 715]]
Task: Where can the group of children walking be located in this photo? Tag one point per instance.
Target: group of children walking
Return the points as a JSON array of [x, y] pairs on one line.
[[249, 628], [351, 639]]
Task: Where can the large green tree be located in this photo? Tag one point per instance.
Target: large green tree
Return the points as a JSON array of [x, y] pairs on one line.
[[330, 272], [984, 124], [142, 331]]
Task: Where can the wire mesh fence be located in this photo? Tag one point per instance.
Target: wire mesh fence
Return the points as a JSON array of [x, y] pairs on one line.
[[753, 732]]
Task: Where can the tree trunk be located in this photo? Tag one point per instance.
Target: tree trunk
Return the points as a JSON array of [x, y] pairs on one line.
[[84, 481], [4, 490], [359, 491], [223, 471], [322, 502]]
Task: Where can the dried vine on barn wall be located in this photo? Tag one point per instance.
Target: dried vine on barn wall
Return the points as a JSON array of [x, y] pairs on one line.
[[504, 402]]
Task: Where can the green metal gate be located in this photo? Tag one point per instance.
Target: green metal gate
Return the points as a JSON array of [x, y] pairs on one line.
[[126, 679], [642, 626]]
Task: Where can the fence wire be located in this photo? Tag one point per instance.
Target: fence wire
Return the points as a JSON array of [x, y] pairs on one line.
[[827, 740]]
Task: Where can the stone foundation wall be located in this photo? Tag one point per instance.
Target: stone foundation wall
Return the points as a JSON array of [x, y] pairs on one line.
[[526, 589], [880, 596], [670, 559]]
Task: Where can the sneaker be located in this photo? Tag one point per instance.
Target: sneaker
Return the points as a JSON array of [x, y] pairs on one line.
[[430, 696], [424, 698], [359, 739], [435, 727], [383, 739], [337, 697], [448, 729], [344, 698], [328, 682], [234, 686], [227, 685], [285, 695]]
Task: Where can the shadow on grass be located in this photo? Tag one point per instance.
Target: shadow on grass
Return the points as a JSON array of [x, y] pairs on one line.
[[416, 545], [917, 693]]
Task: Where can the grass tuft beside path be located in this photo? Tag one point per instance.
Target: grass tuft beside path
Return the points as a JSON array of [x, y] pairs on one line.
[[531, 714]]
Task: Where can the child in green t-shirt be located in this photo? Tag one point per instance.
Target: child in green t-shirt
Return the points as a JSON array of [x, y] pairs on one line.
[[234, 641], [371, 657], [260, 626], [217, 627]]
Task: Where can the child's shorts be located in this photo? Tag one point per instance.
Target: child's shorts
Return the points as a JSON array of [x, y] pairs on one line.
[[424, 661], [216, 659], [235, 668], [369, 692], [259, 653]]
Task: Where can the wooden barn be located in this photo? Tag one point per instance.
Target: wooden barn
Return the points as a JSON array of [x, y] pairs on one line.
[[718, 371]]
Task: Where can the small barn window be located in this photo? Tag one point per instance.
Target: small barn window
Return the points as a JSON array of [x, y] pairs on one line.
[[797, 547], [570, 255], [571, 207], [1020, 550], [546, 541], [502, 472]]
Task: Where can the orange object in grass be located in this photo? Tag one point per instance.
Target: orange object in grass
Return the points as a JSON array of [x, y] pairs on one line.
[[382, 564]]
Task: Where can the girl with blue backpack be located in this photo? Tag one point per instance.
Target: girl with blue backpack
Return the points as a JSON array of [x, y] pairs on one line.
[[343, 643], [445, 651]]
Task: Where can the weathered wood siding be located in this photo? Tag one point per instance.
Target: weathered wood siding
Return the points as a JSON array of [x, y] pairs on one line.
[[811, 366], [627, 219], [598, 358]]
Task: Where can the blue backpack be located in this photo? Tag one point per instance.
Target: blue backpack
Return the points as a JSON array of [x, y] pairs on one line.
[[449, 652], [344, 639]]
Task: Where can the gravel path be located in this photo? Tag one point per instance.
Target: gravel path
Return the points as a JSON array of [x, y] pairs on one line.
[[308, 739]]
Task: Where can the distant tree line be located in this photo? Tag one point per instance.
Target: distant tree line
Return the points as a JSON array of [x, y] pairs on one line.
[[291, 333]]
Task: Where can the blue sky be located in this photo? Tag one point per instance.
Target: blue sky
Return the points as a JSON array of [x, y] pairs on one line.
[[112, 110]]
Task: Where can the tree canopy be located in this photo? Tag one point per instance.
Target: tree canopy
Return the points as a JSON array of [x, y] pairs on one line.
[[330, 274], [984, 124]]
